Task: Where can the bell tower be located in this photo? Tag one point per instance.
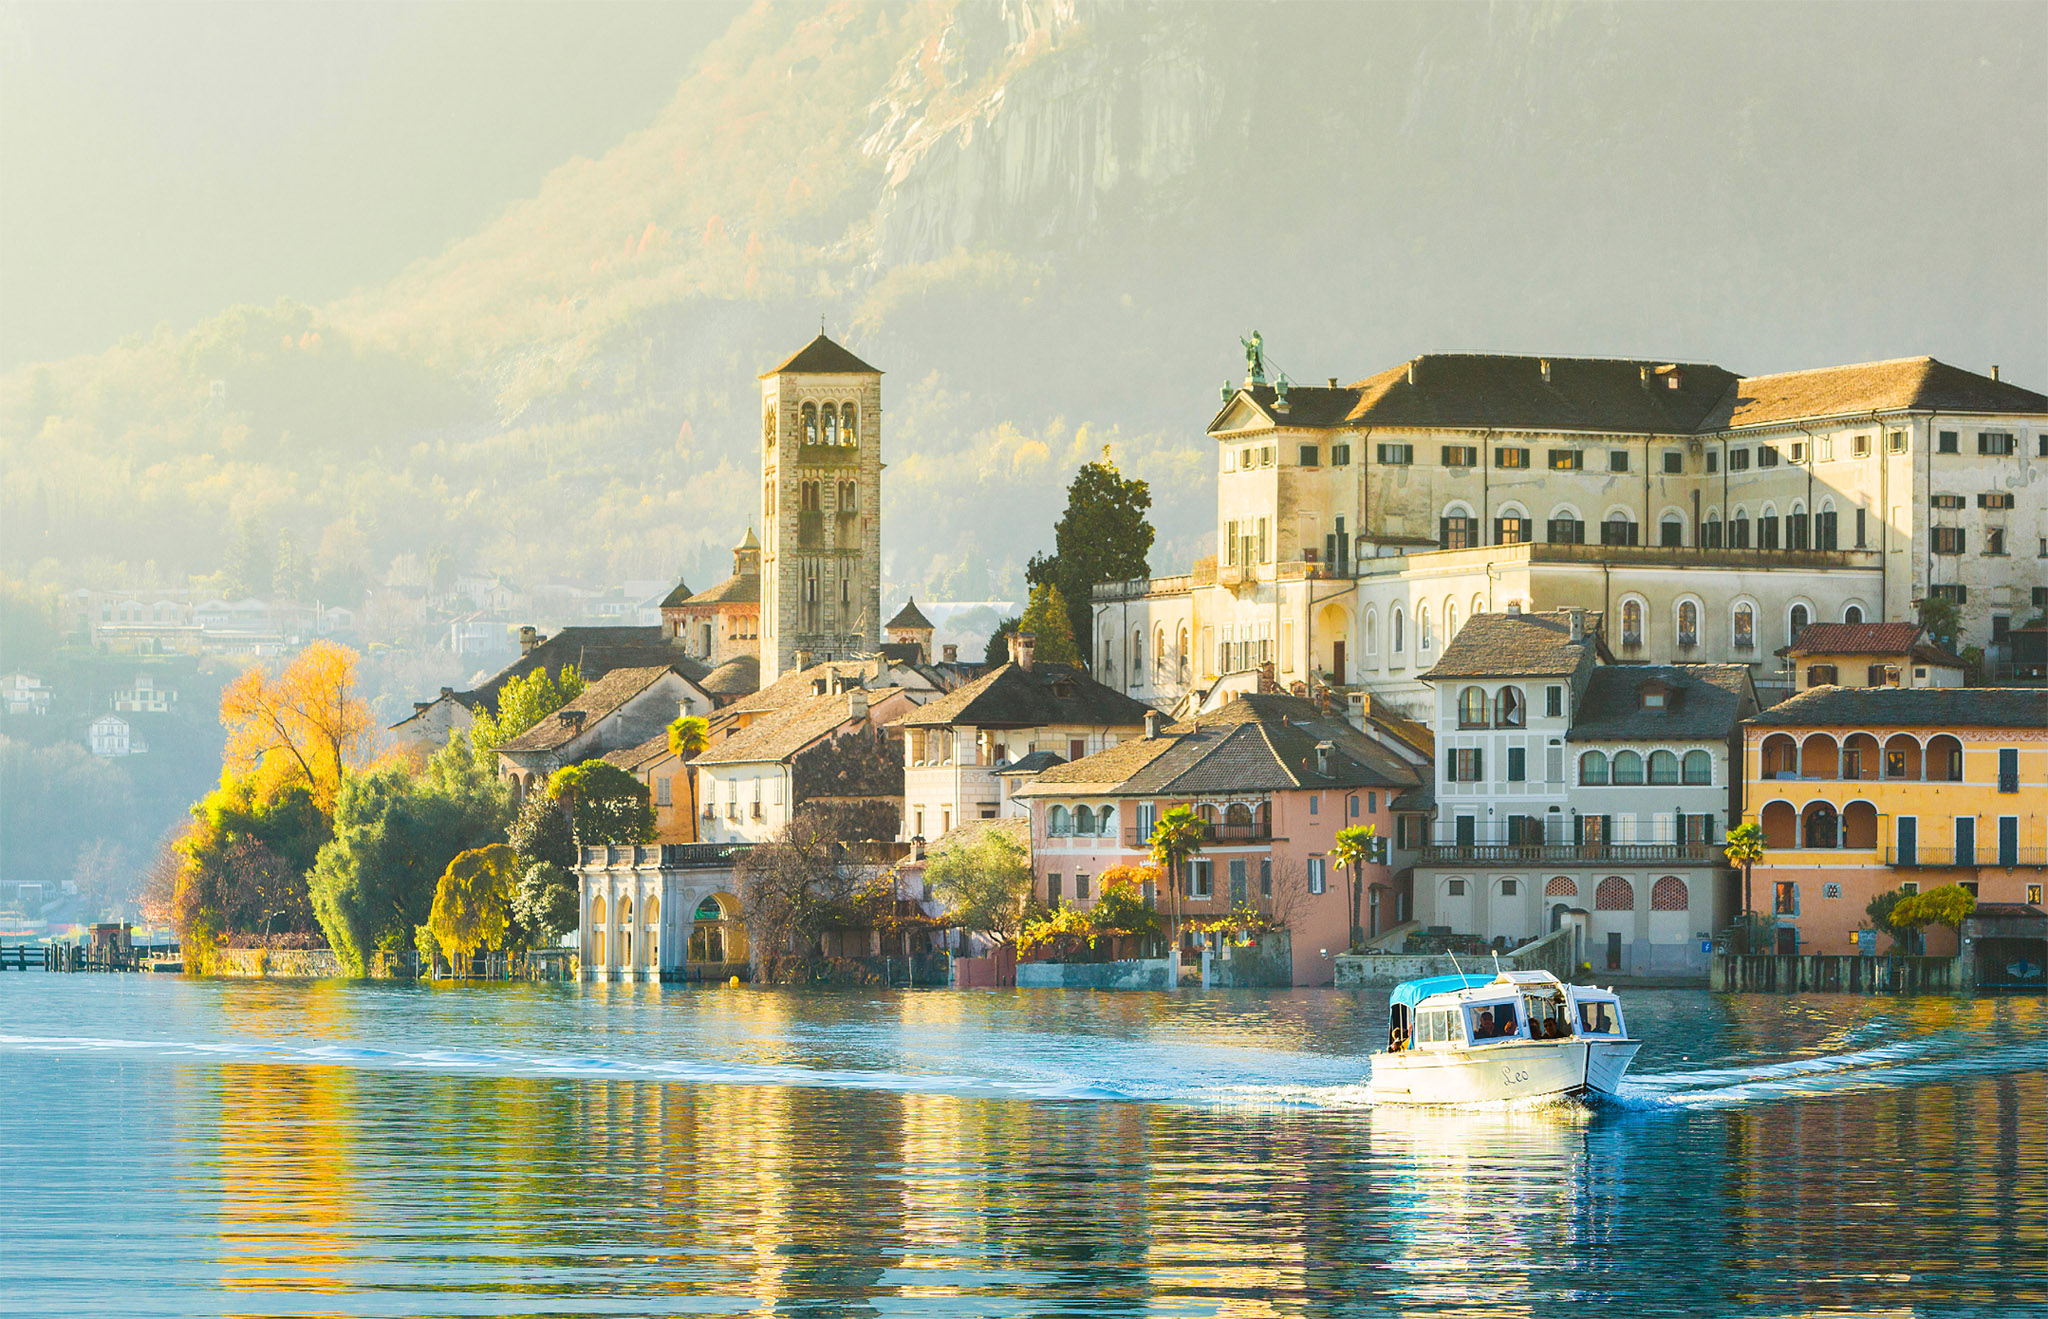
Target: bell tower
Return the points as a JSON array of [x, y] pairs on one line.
[[821, 508]]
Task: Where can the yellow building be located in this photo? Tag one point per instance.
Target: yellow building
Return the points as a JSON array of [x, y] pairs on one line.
[[1861, 791], [1859, 654]]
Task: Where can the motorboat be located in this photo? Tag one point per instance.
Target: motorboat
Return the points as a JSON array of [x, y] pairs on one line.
[[1517, 1036]]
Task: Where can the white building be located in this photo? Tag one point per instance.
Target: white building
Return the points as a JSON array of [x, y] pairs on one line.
[[1575, 792], [145, 695], [24, 693], [111, 735], [749, 785]]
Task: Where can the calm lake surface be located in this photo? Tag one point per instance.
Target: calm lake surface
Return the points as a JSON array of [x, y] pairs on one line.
[[204, 1148]]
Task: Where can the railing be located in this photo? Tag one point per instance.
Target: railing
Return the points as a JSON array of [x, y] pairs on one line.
[[1566, 853], [1211, 833], [668, 856], [1945, 858]]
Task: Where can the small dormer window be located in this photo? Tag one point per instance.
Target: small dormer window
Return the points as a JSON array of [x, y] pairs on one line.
[[1653, 700]]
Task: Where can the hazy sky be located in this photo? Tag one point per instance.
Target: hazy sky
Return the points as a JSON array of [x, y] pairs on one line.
[[159, 162]]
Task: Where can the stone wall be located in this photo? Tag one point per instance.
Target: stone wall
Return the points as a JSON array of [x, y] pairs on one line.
[[280, 963], [1552, 953], [1147, 973]]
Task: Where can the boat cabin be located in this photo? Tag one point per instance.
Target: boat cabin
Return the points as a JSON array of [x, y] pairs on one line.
[[1473, 1011]]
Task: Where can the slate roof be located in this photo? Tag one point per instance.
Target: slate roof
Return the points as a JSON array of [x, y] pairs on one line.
[[677, 596], [1911, 707], [739, 589], [909, 616], [783, 734], [596, 701], [1013, 697], [1919, 383], [1704, 703], [595, 651], [1253, 743], [1519, 645], [822, 357], [738, 676]]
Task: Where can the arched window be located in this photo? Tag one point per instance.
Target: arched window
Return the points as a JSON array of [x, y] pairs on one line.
[[1159, 652], [1628, 767], [652, 920], [1800, 617], [1780, 824], [1663, 767], [810, 423], [597, 926], [1710, 531], [1507, 709], [1450, 620], [829, 424], [1422, 637], [1688, 623], [1631, 623], [1698, 770], [849, 424], [1183, 654], [1058, 824], [1472, 708], [1738, 529], [1137, 653], [1944, 759], [1593, 769], [625, 931], [1397, 630], [1237, 815], [1478, 604], [1614, 894], [1671, 530], [1084, 821], [1821, 825], [1853, 614], [849, 496], [1105, 823], [1372, 631], [1745, 627], [1618, 529], [1561, 886], [1668, 894]]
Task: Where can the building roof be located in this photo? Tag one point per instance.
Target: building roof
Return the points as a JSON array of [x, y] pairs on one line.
[[797, 685], [1015, 827], [822, 357], [738, 589], [1910, 707], [1253, 743], [1035, 763], [594, 702], [909, 616], [635, 759], [1896, 640], [1519, 645], [595, 651], [1916, 383], [676, 596], [1015, 697], [738, 676], [788, 731], [1703, 702]]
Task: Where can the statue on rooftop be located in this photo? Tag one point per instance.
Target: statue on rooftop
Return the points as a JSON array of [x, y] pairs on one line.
[[1254, 358]]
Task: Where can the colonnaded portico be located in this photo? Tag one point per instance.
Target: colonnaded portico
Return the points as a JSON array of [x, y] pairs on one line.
[[664, 912]]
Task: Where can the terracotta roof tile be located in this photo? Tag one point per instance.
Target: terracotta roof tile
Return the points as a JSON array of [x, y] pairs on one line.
[[1012, 697], [1919, 383], [788, 731], [594, 702]]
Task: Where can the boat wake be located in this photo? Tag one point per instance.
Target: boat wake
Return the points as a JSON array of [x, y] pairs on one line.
[[1908, 1063]]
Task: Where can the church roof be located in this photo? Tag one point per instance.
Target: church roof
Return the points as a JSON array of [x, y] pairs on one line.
[[739, 589], [677, 596], [822, 357], [910, 616]]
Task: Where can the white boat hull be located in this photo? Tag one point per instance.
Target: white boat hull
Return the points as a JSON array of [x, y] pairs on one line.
[[1525, 1071]]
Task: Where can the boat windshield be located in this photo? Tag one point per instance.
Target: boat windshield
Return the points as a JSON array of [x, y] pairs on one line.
[[1599, 1016], [1492, 1022]]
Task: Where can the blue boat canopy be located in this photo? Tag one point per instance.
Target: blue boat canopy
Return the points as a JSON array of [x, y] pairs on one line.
[[1411, 992]]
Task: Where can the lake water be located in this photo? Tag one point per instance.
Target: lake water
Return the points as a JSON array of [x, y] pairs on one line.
[[204, 1148]]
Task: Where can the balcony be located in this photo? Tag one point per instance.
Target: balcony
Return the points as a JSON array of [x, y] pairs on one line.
[[1212, 834], [1953, 858], [1566, 854]]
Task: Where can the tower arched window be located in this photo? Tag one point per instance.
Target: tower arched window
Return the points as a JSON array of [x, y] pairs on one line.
[[809, 424], [830, 424], [849, 424], [1398, 638]]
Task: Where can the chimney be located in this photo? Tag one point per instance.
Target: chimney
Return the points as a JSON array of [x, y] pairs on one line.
[[1578, 617], [528, 639], [879, 668], [803, 660], [1545, 364], [1333, 382], [818, 686], [857, 703], [1646, 377], [1152, 722], [1023, 649], [447, 692], [951, 654], [1355, 713], [1411, 372], [421, 707], [1323, 750], [1515, 607], [569, 718], [1994, 370]]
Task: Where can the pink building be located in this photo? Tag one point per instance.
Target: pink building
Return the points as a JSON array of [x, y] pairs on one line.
[[1274, 779]]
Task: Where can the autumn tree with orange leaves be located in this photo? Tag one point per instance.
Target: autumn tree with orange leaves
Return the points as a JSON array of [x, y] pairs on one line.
[[304, 727]]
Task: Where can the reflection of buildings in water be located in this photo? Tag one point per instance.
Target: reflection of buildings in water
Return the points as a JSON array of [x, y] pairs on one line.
[[287, 1208], [1219, 1233]]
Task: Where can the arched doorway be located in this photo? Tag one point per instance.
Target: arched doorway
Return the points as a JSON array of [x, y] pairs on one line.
[[1822, 826], [718, 937]]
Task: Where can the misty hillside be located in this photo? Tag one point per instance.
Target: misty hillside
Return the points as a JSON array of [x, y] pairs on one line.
[[1049, 222]]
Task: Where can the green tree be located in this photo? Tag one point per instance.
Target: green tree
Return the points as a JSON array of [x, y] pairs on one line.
[[522, 703], [1046, 619], [984, 882], [1355, 847], [688, 735], [473, 902], [1744, 848], [545, 903], [1176, 839], [997, 652], [1102, 537], [1942, 618], [540, 832], [1880, 910], [607, 805], [394, 833], [1948, 905], [243, 865]]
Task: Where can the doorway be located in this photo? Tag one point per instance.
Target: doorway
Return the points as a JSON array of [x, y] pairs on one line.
[[1337, 663], [1614, 950]]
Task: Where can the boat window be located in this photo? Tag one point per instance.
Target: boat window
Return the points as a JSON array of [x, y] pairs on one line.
[[1494, 1021], [1599, 1018]]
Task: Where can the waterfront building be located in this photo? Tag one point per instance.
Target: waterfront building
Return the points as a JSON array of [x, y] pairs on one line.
[[1693, 510], [1864, 791], [1870, 655], [660, 912], [1573, 792], [1273, 778], [622, 709], [956, 746]]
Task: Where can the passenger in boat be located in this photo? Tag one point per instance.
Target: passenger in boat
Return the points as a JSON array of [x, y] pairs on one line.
[[1504, 1024], [1483, 1028], [1397, 1040]]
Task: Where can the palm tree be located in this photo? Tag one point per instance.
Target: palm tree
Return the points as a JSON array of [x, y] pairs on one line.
[[1356, 846], [1745, 847], [687, 737], [1175, 840]]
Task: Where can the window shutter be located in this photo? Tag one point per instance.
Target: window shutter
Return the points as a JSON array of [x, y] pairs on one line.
[[1578, 831], [1479, 766], [1443, 532]]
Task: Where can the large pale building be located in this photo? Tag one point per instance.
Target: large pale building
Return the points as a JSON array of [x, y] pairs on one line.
[[821, 508], [1705, 517]]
